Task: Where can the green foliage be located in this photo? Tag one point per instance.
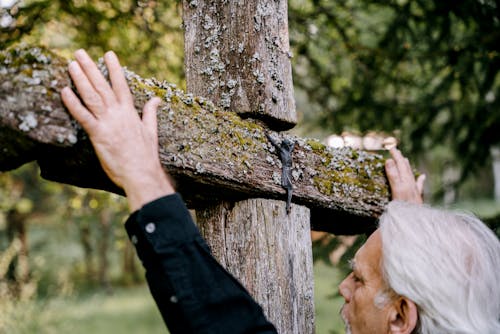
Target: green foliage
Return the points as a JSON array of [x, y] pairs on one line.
[[428, 68], [135, 30], [78, 232], [327, 244]]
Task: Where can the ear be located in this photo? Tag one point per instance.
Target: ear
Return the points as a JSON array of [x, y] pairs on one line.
[[403, 317]]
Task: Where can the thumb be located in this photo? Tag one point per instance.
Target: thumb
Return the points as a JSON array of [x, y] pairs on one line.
[[149, 115], [420, 184]]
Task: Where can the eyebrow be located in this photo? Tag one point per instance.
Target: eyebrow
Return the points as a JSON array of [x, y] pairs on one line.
[[352, 263], [355, 268]]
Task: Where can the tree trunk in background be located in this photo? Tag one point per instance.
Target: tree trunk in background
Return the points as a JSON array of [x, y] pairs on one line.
[[19, 270], [237, 54], [86, 242], [130, 274], [105, 219], [495, 157]]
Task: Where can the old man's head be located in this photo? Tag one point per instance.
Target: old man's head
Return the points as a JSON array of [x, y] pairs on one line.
[[424, 271]]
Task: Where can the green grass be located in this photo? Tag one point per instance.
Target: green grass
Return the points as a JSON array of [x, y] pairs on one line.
[[129, 310], [132, 310]]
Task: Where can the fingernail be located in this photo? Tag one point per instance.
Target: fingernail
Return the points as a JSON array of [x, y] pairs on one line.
[[72, 65], [80, 52], [110, 54]]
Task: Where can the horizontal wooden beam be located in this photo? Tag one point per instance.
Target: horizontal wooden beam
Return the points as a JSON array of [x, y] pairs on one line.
[[211, 153]]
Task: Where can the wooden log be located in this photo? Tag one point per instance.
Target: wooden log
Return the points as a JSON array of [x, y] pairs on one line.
[[212, 153]]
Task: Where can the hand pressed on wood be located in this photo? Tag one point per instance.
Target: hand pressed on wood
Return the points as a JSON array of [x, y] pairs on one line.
[[127, 146], [404, 187]]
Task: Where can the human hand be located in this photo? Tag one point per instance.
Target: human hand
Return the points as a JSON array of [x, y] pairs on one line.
[[127, 147], [404, 187]]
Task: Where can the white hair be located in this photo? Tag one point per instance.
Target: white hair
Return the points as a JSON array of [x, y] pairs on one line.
[[447, 263]]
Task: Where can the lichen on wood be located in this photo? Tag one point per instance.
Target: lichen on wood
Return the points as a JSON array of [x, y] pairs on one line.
[[212, 153], [238, 54], [31, 78]]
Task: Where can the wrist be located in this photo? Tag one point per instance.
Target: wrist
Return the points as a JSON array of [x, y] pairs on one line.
[[146, 188]]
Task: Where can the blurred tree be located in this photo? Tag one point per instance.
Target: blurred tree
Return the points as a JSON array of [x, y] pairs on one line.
[[97, 214], [21, 197], [427, 67], [135, 30]]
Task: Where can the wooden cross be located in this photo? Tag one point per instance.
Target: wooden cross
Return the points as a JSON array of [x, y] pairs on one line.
[[237, 53]]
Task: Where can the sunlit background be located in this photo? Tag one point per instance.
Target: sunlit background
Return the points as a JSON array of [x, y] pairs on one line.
[[420, 74]]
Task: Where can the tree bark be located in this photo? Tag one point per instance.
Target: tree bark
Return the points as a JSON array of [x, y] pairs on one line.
[[210, 152], [239, 54]]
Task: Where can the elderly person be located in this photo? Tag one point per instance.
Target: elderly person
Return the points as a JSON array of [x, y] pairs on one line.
[[423, 271]]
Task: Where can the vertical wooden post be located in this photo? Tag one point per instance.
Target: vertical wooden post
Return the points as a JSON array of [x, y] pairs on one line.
[[270, 253], [237, 55]]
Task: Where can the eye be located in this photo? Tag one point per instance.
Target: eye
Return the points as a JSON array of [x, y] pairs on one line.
[[356, 278]]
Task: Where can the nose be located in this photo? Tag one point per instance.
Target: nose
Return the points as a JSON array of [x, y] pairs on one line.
[[344, 290]]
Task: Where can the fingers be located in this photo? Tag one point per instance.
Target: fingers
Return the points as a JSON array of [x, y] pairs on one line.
[[89, 95], [75, 107], [117, 78], [149, 116], [402, 180], [392, 173], [94, 77], [402, 165]]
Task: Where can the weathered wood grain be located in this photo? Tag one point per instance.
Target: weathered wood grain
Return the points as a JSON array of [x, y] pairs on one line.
[[270, 252], [211, 153], [238, 55], [235, 55]]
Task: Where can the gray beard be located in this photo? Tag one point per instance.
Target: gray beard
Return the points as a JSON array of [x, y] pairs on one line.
[[347, 326]]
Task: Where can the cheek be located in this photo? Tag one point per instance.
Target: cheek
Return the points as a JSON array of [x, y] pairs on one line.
[[362, 311]]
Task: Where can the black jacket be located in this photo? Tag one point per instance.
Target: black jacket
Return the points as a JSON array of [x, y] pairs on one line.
[[193, 292]]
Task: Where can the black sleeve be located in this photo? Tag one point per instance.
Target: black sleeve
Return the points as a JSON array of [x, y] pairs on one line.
[[193, 292]]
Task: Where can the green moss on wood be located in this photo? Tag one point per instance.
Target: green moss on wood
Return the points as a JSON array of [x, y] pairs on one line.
[[19, 55]]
